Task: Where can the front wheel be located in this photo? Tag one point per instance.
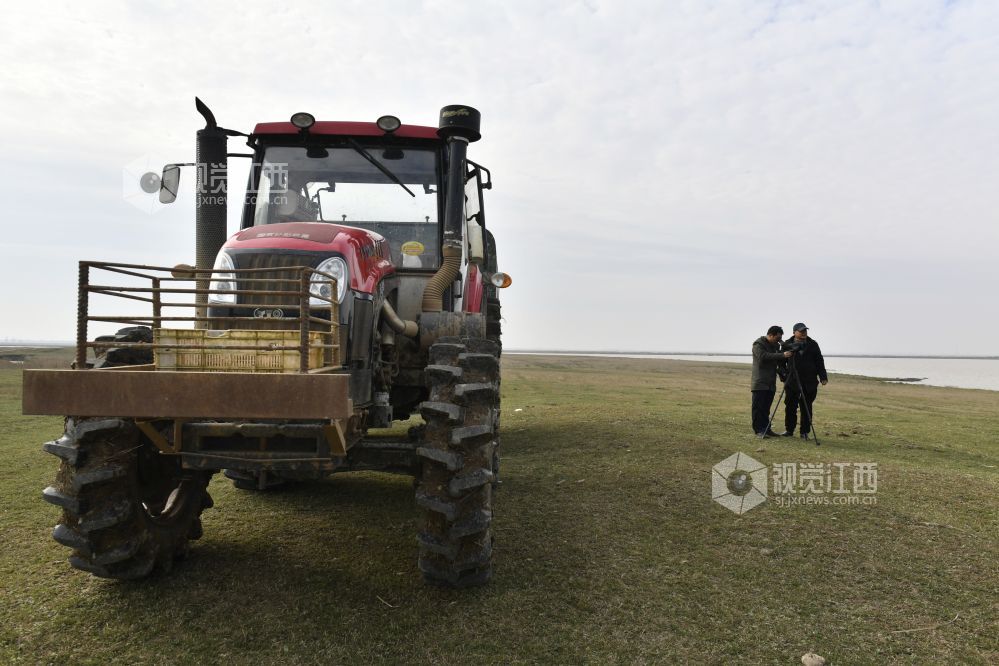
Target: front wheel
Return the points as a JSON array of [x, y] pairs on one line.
[[127, 508], [455, 488]]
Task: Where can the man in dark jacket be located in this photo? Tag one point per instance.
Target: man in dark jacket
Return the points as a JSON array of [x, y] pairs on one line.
[[808, 366], [767, 358]]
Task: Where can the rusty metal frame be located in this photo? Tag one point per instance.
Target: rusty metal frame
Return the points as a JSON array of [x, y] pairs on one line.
[[162, 281], [317, 398], [163, 394]]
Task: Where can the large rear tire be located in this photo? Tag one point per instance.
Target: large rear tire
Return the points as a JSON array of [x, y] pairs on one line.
[[127, 509], [457, 458]]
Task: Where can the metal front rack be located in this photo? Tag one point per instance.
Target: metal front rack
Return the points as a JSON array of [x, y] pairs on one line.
[[157, 282]]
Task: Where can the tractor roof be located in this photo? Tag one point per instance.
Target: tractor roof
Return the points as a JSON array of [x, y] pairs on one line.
[[348, 129]]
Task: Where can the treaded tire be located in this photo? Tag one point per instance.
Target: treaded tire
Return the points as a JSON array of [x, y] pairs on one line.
[[493, 332], [127, 510], [456, 484], [494, 316], [118, 356]]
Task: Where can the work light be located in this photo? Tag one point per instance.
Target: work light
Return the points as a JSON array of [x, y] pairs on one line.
[[303, 120], [388, 123]]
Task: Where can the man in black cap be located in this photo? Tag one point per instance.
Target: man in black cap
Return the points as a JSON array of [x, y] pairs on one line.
[[767, 359], [808, 366]]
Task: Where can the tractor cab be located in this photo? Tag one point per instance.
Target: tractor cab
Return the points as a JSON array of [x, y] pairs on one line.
[[388, 185]]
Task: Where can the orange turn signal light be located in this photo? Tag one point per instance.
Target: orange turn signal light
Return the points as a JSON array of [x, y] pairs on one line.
[[501, 280]]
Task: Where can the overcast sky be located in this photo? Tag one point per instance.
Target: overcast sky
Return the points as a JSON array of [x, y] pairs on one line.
[[669, 176]]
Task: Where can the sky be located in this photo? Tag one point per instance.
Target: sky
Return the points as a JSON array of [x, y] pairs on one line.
[[668, 176]]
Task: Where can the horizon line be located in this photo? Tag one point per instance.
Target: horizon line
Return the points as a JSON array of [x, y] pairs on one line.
[[746, 354], [615, 352]]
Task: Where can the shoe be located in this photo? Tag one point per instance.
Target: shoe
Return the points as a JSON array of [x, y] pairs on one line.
[[764, 435], [787, 433], [804, 435], [771, 433]]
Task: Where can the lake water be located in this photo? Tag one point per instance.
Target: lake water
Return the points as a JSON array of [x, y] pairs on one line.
[[978, 373]]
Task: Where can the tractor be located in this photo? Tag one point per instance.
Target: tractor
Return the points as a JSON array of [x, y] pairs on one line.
[[361, 290]]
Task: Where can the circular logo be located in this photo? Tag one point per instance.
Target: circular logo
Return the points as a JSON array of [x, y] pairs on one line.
[[413, 248], [269, 313], [150, 182], [739, 482]]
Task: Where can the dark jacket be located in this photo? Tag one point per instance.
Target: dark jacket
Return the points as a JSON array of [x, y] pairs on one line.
[[767, 358], [808, 362]]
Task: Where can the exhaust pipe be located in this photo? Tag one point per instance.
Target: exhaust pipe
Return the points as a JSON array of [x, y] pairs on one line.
[[398, 324], [459, 126], [210, 203]]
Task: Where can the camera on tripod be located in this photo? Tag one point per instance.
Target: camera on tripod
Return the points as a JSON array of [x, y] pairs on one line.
[[792, 345]]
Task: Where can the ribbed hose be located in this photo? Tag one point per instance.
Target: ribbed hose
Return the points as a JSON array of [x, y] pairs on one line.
[[433, 293]]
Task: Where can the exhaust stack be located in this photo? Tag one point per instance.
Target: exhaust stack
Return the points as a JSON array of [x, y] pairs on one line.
[[459, 126], [210, 205]]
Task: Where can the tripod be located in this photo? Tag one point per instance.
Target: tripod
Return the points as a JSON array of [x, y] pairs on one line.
[[802, 400]]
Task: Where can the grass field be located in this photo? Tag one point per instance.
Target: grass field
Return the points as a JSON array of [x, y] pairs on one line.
[[609, 547]]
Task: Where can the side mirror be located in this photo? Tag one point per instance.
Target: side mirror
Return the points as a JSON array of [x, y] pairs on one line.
[[476, 253], [169, 183]]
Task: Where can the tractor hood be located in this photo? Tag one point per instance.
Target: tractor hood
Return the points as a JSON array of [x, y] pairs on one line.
[[366, 252]]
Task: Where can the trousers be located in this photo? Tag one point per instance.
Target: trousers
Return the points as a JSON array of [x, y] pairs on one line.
[[762, 400], [794, 396]]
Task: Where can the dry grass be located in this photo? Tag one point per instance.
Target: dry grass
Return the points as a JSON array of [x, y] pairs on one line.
[[609, 548]]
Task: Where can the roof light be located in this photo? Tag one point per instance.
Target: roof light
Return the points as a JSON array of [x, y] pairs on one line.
[[303, 120], [388, 124]]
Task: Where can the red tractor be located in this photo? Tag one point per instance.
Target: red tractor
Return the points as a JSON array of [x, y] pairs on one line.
[[361, 289]]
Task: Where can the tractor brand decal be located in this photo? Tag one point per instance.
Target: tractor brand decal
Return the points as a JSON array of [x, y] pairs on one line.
[[269, 313], [455, 112], [413, 248], [281, 234]]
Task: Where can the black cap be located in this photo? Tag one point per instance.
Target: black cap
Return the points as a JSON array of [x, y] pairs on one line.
[[799, 327]]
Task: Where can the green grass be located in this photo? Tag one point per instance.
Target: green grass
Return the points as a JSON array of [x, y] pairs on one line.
[[609, 548]]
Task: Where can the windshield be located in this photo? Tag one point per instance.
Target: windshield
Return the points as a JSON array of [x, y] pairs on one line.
[[346, 186]]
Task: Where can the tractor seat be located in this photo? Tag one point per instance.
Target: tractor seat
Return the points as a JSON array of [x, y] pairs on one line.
[[290, 206]]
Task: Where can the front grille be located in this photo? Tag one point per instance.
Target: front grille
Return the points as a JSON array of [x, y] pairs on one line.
[[276, 261]]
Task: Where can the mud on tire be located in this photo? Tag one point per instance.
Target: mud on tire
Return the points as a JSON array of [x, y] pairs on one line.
[[456, 482], [127, 510]]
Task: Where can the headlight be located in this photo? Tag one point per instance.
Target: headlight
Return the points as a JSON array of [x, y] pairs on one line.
[[223, 281], [321, 286]]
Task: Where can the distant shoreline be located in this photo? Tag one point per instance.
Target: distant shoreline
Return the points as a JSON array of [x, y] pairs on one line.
[[645, 353], [563, 352]]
